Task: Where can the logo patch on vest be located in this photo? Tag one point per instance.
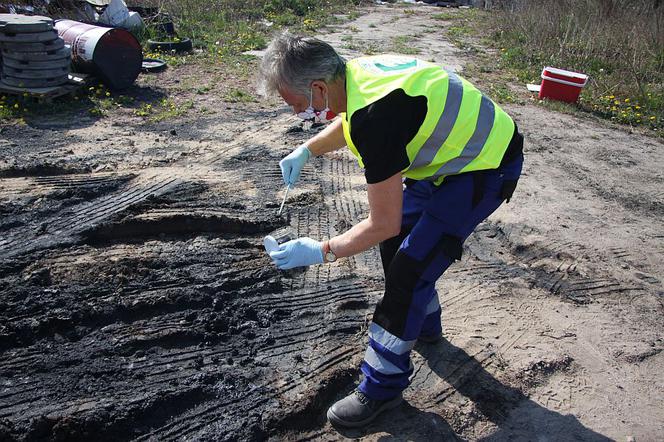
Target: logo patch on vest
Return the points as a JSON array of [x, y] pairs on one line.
[[387, 65]]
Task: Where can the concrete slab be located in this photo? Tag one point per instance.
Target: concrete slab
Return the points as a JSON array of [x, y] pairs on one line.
[[30, 83], [18, 23], [55, 54], [45, 46], [31, 65], [28, 37], [30, 74]]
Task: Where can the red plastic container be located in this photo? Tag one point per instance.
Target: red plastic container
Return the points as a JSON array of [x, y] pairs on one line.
[[562, 85]]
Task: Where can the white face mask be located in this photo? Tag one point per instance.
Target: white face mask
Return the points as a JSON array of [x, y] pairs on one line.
[[310, 114]]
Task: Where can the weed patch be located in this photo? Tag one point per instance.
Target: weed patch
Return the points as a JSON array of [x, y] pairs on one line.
[[621, 50], [444, 16], [402, 44], [239, 96], [620, 47], [165, 109]]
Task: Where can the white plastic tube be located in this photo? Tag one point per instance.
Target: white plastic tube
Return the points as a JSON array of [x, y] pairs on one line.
[[270, 244]]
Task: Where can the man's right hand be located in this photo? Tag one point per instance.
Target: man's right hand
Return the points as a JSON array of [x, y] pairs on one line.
[[292, 165]]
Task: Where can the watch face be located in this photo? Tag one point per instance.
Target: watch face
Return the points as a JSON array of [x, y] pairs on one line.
[[330, 257]]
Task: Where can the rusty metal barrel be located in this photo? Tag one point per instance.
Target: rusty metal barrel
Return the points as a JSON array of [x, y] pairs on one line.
[[112, 54]]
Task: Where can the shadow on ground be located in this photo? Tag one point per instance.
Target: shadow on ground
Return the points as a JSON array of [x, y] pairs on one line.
[[516, 416]]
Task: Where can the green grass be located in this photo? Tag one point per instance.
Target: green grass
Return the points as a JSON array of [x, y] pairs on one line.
[[239, 96], [96, 100], [604, 96], [445, 16], [513, 59], [618, 50], [362, 46], [165, 109], [221, 31], [501, 93], [402, 44], [353, 15], [234, 26]]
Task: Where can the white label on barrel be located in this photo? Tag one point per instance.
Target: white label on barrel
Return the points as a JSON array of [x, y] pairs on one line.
[[85, 44]]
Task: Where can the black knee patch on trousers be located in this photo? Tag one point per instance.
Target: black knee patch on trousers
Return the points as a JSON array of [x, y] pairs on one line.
[[389, 248], [400, 281], [451, 246], [402, 276]]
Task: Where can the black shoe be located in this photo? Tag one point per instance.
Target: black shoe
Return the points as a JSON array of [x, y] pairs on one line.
[[357, 410], [430, 339]]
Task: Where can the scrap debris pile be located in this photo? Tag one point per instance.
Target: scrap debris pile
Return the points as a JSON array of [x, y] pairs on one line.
[[33, 55], [45, 57]]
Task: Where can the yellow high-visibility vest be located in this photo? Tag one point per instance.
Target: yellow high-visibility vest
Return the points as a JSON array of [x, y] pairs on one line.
[[462, 131]]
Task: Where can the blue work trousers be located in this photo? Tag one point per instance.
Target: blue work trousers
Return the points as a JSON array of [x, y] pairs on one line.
[[436, 221]]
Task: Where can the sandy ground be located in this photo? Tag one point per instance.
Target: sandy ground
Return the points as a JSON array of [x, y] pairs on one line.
[[136, 302]]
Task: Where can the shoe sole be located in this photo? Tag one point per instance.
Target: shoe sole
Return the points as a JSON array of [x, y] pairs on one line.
[[336, 420]]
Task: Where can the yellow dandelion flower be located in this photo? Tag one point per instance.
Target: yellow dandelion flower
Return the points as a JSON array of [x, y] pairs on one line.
[[653, 118], [616, 102], [611, 97], [626, 100], [637, 107]]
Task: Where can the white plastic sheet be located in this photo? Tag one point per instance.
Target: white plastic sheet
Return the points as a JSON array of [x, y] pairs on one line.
[[115, 14]]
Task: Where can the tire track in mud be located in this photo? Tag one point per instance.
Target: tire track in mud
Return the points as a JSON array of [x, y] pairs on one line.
[[203, 364], [566, 269], [174, 366], [158, 310], [47, 184], [64, 227], [61, 229], [501, 263], [264, 394]]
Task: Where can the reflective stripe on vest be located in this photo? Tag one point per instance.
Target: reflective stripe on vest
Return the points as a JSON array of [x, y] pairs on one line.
[[445, 124], [470, 133], [474, 146]]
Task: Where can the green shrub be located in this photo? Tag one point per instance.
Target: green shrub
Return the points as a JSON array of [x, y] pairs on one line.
[[232, 26], [618, 43]]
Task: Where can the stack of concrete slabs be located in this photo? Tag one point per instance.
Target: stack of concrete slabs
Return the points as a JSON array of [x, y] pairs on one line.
[[33, 54]]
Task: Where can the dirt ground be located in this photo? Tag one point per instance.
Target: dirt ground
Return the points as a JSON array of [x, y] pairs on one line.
[[136, 302]]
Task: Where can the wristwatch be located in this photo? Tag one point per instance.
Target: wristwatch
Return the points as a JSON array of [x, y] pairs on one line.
[[328, 254]]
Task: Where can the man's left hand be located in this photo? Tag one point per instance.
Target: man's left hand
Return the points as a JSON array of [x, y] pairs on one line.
[[299, 252]]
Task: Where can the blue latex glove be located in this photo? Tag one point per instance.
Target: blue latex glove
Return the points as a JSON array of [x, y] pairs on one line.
[[299, 252], [292, 165]]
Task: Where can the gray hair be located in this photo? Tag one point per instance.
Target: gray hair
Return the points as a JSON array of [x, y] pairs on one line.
[[292, 62]]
